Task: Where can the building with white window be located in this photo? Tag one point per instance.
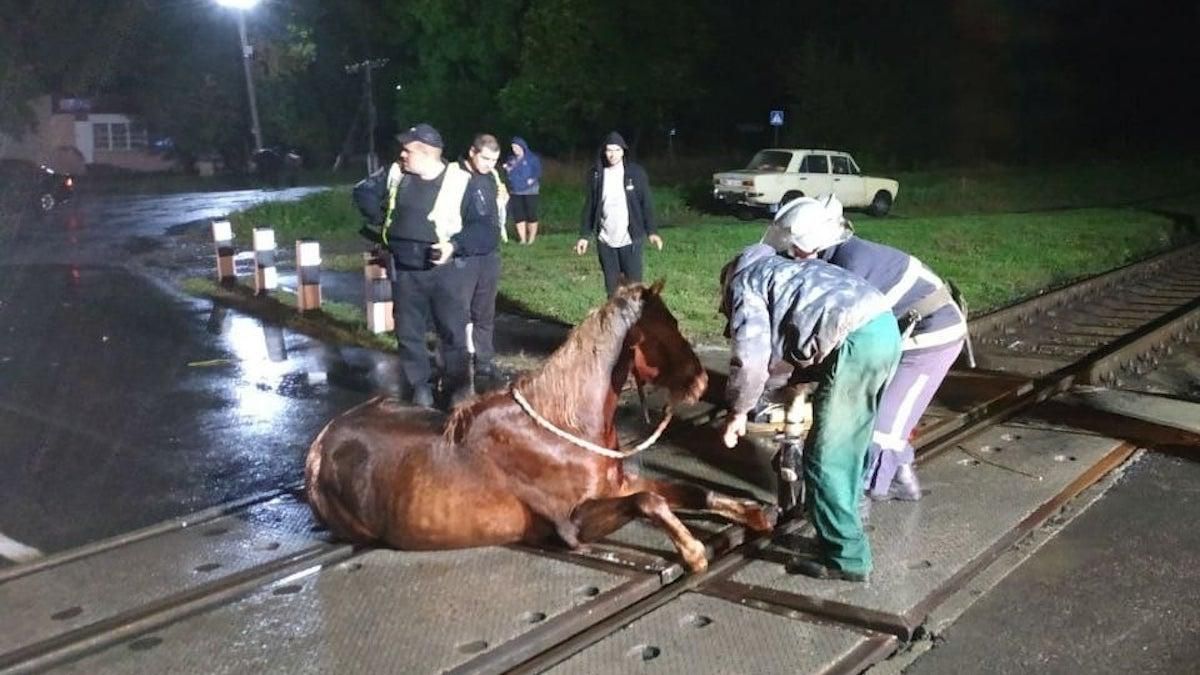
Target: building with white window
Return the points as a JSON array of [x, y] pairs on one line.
[[72, 134]]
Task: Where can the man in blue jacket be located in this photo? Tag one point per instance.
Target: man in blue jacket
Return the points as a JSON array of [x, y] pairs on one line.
[[524, 171], [619, 213]]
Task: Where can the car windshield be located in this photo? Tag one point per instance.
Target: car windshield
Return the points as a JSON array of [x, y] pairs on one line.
[[770, 160]]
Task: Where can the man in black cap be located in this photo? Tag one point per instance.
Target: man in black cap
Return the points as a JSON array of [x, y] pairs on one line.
[[619, 213], [416, 229]]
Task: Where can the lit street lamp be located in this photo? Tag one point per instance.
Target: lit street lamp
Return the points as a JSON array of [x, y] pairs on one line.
[[242, 6]]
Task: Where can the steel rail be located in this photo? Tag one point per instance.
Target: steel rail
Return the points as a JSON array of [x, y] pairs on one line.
[[554, 643]]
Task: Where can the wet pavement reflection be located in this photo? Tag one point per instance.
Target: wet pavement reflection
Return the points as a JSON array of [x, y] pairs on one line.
[[123, 402]]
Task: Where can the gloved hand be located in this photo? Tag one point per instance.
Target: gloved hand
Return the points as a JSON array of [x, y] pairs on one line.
[[735, 428]]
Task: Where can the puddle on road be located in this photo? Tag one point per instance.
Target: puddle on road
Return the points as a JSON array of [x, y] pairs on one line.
[[275, 365]]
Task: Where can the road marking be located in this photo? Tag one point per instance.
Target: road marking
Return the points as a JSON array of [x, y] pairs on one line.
[[17, 552]]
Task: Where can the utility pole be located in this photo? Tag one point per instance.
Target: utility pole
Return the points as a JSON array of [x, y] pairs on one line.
[[247, 55], [366, 67]]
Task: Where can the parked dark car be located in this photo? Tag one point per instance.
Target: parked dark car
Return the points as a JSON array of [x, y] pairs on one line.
[[24, 185], [278, 166]]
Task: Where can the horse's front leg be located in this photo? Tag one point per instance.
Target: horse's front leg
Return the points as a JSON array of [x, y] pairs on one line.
[[695, 498], [597, 518]]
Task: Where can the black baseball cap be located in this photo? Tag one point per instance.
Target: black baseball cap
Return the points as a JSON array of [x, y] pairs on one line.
[[423, 133]]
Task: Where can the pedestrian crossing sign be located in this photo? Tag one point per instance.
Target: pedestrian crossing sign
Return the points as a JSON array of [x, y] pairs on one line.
[[776, 118]]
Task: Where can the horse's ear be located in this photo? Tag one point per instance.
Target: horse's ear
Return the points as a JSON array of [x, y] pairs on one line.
[[657, 287]]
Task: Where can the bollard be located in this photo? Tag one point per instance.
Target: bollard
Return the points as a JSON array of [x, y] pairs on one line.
[[308, 274], [378, 290], [222, 232], [265, 277]]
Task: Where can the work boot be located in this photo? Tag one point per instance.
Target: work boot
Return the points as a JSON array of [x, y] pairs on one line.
[[460, 395], [905, 485], [820, 569], [422, 396], [490, 371], [864, 509], [487, 369]]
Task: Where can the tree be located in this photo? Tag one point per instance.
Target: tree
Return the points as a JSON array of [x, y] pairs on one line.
[[587, 67], [451, 58], [51, 47]]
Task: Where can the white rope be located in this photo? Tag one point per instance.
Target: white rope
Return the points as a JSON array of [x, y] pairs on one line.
[[588, 445]]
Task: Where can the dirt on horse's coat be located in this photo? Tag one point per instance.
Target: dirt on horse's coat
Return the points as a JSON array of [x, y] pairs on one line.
[[388, 474]]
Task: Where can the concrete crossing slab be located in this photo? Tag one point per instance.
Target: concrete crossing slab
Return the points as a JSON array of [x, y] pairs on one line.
[[975, 504], [117, 585], [696, 634], [380, 612]]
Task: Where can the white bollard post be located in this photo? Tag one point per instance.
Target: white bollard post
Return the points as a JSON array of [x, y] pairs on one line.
[[222, 232], [378, 291], [308, 274], [266, 278]]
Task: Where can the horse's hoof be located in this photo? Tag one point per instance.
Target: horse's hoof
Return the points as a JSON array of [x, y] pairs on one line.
[[694, 558], [763, 518]]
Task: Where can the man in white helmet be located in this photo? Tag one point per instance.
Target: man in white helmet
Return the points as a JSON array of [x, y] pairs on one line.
[[793, 321], [934, 328]]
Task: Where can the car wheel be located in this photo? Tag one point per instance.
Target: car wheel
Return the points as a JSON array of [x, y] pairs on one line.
[[789, 196], [46, 202], [881, 204]]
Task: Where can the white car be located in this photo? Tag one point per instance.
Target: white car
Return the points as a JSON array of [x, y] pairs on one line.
[[778, 175]]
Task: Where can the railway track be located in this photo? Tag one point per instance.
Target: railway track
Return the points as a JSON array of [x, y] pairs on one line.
[[593, 610]]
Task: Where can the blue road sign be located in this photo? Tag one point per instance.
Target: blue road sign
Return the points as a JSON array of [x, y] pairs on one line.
[[776, 118]]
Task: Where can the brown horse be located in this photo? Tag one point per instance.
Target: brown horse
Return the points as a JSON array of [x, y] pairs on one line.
[[491, 473]]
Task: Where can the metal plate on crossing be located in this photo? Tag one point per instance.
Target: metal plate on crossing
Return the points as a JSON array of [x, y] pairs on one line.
[[113, 587], [697, 634], [384, 612], [972, 510]]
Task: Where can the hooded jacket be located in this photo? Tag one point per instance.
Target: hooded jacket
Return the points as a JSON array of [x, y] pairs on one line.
[[637, 195], [780, 309], [524, 172]]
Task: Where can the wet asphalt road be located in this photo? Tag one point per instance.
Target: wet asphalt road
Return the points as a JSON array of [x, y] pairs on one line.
[[1116, 591], [122, 402]]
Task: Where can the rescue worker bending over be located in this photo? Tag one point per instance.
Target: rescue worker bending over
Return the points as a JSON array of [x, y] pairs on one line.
[[825, 324], [934, 328]]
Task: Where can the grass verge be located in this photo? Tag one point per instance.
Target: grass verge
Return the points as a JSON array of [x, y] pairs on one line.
[[952, 224]]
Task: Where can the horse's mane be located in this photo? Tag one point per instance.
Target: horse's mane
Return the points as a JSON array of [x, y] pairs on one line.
[[589, 354]]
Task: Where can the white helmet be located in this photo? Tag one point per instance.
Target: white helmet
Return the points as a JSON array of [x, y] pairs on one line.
[[811, 225]]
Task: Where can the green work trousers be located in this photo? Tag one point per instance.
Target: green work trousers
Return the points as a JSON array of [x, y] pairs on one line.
[[844, 408]]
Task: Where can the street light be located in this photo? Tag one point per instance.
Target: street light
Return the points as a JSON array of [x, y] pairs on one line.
[[242, 6]]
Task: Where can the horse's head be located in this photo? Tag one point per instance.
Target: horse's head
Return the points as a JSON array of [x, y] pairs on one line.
[[661, 355]]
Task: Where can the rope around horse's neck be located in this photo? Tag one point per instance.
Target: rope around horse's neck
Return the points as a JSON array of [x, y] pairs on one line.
[[588, 445]]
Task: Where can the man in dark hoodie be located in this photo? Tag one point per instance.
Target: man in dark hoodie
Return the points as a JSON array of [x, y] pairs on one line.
[[619, 213], [524, 170]]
